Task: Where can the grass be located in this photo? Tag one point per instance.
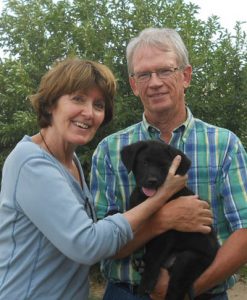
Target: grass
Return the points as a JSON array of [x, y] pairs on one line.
[[97, 283], [243, 273]]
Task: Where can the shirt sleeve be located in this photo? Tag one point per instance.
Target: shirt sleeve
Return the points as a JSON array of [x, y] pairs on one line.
[[47, 198], [234, 186], [103, 182]]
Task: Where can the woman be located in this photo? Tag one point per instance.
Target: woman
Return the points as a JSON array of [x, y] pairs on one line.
[[48, 233]]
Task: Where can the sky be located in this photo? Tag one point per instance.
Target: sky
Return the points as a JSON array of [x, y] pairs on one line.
[[229, 11]]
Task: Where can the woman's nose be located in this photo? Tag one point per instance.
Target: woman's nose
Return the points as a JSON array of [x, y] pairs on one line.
[[87, 109]]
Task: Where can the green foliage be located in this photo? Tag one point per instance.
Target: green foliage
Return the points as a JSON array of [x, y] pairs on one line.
[[243, 273], [35, 33]]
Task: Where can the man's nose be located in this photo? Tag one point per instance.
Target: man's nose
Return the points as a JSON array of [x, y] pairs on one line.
[[155, 80]]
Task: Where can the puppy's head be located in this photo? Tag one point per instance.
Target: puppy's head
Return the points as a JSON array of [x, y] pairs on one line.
[[150, 161]]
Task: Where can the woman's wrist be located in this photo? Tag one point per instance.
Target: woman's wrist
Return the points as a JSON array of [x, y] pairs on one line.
[[161, 196]]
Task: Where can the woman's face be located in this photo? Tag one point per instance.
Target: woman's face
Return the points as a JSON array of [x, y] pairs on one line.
[[77, 117]]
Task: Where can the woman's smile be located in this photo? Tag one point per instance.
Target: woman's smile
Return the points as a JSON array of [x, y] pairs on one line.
[[81, 125]]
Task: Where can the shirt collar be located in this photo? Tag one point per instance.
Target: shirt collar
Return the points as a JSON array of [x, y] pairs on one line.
[[185, 127]]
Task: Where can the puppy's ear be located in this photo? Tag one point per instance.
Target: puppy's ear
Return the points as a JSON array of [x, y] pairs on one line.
[[185, 162], [184, 165], [128, 154]]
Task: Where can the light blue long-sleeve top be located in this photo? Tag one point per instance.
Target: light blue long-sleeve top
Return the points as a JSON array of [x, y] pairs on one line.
[[48, 238]]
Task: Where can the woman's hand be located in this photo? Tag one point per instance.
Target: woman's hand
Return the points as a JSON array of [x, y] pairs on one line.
[[173, 183]]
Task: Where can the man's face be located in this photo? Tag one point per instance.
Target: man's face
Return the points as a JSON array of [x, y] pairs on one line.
[[158, 95]]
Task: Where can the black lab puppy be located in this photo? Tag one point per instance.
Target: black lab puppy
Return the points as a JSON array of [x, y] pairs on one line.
[[186, 255]]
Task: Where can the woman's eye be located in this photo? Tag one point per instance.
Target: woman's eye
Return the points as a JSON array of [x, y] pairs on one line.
[[78, 99], [99, 105]]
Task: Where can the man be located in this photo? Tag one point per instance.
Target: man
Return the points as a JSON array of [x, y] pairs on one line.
[[159, 75]]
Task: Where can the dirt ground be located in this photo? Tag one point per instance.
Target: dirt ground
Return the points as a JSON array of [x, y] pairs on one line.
[[97, 284], [239, 291]]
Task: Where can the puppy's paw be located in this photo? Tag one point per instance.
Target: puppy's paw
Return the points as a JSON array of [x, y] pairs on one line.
[[138, 264], [142, 291], [147, 284]]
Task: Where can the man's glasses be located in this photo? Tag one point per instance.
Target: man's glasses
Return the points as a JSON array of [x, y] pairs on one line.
[[161, 73]]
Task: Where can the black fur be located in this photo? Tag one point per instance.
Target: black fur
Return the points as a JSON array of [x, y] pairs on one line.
[[186, 255]]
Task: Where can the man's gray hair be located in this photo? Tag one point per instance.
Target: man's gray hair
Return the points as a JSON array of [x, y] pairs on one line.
[[165, 39]]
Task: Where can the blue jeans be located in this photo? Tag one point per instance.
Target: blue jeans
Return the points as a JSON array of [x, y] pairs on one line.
[[118, 292], [222, 296]]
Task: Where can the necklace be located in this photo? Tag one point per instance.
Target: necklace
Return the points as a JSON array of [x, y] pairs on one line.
[[74, 173], [43, 139], [49, 150]]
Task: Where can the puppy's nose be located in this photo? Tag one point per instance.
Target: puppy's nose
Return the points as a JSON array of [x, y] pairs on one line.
[[152, 181]]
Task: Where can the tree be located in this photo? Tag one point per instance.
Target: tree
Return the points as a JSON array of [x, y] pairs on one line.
[[35, 33]]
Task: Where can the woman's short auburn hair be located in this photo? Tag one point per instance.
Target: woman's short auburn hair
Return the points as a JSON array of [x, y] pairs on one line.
[[67, 77]]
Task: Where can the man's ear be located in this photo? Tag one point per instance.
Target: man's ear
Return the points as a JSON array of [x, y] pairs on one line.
[[128, 154], [134, 86], [187, 72]]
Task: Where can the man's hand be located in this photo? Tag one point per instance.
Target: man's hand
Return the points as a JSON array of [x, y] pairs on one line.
[[160, 289], [187, 214]]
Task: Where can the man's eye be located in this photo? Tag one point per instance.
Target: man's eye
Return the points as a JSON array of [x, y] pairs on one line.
[[164, 72], [143, 75]]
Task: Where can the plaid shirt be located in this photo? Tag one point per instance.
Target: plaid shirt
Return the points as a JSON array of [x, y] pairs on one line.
[[218, 174]]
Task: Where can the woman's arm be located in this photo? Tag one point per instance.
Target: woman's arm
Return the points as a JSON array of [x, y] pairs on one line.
[[183, 214]]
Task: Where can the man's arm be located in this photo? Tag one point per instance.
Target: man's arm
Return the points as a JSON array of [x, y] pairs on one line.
[[232, 254], [230, 257]]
